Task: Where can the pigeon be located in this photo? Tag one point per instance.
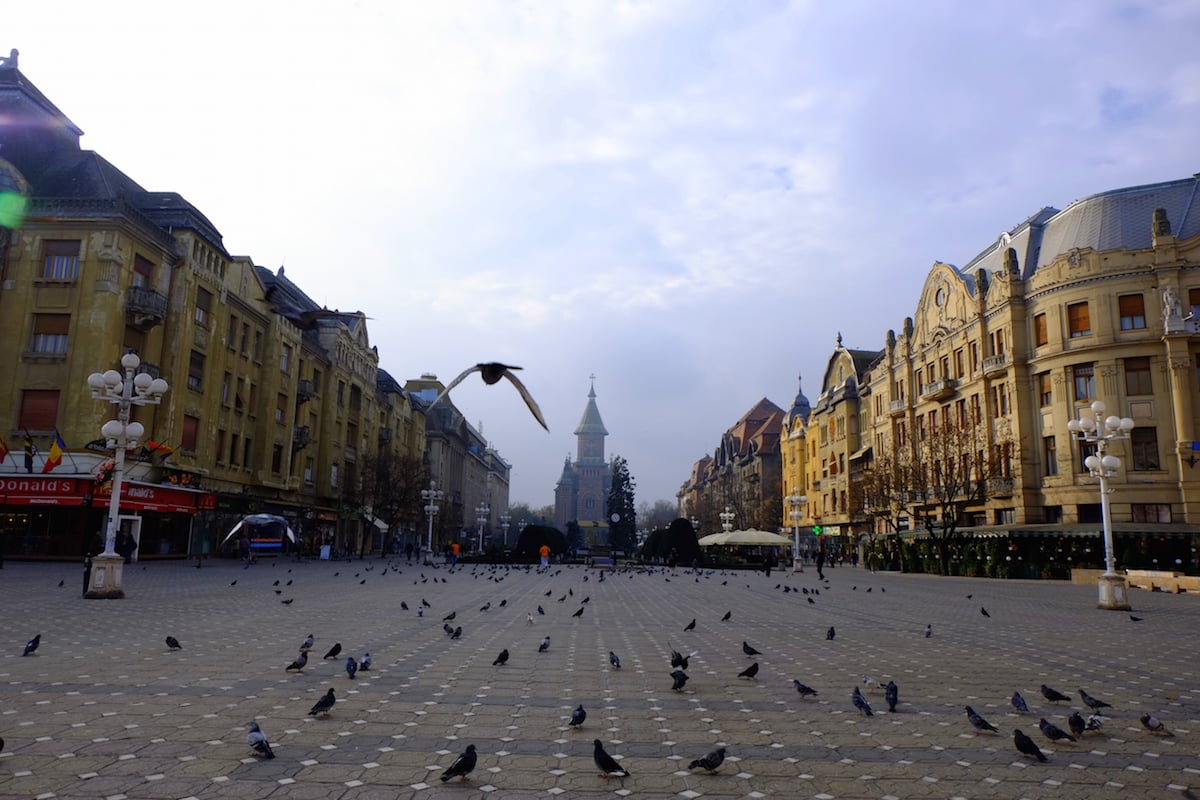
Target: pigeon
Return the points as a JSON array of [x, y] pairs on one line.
[[1053, 695], [234, 583], [541, 610], [351, 666], [425, 603], [289, 601], [1154, 725], [61, 583], [750, 671], [1095, 722], [173, 643], [607, 765], [403, 606], [32, 645], [502, 658], [1053, 732], [486, 606], [1135, 619], [979, 723], [805, 691], [829, 634], [447, 628], [870, 683], [1026, 746], [681, 679], [334, 651], [492, 372], [928, 631], [612, 659], [545, 645], [258, 741], [450, 617], [578, 613], [711, 762], [1093, 703], [300, 663], [691, 626], [725, 618], [324, 705], [861, 703], [457, 634], [679, 660], [984, 612], [307, 643], [750, 651], [364, 663], [577, 716], [891, 693], [1076, 724], [462, 765]]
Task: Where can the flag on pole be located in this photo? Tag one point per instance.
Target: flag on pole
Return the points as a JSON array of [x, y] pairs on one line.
[[55, 456], [3, 450]]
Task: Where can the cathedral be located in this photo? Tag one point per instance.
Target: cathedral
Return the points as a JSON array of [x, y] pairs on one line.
[[581, 495]]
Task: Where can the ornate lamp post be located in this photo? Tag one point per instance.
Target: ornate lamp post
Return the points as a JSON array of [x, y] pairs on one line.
[[796, 502], [727, 519], [1091, 429], [122, 435], [505, 519], [432, 496], [481, 516]]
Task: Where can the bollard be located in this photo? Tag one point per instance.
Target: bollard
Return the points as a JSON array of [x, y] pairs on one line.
[[87, 572]]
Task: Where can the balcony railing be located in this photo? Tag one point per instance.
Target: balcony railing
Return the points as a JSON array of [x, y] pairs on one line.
[[300, 437], [385, 435], [1000, 487], [145, 308], [898, 407], [305, 390], [994, 365], [939, 390]]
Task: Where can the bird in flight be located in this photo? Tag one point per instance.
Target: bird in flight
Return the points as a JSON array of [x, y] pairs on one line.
[[491, 373]]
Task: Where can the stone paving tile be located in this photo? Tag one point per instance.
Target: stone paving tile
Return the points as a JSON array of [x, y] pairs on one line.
[[104, 709]]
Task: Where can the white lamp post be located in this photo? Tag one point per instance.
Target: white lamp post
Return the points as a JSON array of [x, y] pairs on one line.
[[432, 496], [797, 502], [481, 516], [726, 519], [505, 519], [1095, 429], [122, 435]]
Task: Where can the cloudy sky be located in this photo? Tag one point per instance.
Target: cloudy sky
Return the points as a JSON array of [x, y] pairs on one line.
[[687, 199]]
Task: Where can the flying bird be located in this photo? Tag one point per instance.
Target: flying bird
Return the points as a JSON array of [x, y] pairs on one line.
[[462, 765], [1053, 732], [861, 703], [577, 716], [258, 741], [334, 651], [1019, 703], [351, 666], [1093, 703], [613, 660], [1026, 746], [805, 691], [891, 693], [725, 618], [681, 678], [979, 723], [173, 643], [324, 705], [711, 762], [691, 626], [750, 651], [1053, 695], [32, 645], [501, 659], [607, 765], [1154, 725], [750, 671], [545, 645], [491, 373], [300, 663]]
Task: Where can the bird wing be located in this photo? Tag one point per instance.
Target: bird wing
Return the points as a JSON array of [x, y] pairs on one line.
[[455, 382], [527, 397]]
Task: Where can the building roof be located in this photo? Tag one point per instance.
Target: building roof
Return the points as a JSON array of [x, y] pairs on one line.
[[591, 422]]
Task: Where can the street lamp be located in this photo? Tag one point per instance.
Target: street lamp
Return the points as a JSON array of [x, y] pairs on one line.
[[726, 519], [481, 516], [797, 502], [122, 435], [432, 496], [1095, 429], [505, 519]]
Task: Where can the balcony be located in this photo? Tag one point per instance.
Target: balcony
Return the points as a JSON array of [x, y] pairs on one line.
[[939, 390], [385, 435], [995, 365], [300, 438], [1000, 487], [898, 407], [145, 308], [305, 390]]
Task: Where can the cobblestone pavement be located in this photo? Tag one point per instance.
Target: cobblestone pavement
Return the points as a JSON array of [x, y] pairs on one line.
[[104, 710]]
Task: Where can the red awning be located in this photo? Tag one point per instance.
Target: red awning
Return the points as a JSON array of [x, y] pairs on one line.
[[47, 490]]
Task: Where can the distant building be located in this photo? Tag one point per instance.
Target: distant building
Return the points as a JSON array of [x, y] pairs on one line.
[[581, 495]]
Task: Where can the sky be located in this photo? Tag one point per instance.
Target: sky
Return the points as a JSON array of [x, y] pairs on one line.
[[687, 199]]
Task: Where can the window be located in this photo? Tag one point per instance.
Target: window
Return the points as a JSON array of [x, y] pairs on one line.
[[1079, 321], [285, 359], [1085, 449], [1050, 455], [226, 383], [1000, 400], [50, 333], [1194, 303], [976, 413], [1040, 334], [960, 411], [196, 371], [258, 344], [191, 433], [281, 408], [247, 453], [1150, 512], [945, 364], [143, 272], [61, 260], [1045, 388], [244, 342], [204, 300], [231, 334], [341, 394], [333, 475], [1085, 382], [1137, 376], [277, 459], [235, 450], [998, 343], [221, 446], [958, 363], [39, 410], [308, 472], [1143, 446], [1133, 311], [973, 348], [1052, 515]]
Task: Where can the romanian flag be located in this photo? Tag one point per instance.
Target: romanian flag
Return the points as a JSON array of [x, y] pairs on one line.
[[54, 458], [161, 451], [3, 450], [30, 449]]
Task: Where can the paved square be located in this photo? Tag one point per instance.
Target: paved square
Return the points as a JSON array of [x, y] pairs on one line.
[[103, 709]]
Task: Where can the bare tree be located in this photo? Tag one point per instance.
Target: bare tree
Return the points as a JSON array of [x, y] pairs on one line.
[[391, 490]]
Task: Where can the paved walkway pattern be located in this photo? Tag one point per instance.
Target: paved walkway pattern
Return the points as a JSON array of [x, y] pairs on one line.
[[104, 710]]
